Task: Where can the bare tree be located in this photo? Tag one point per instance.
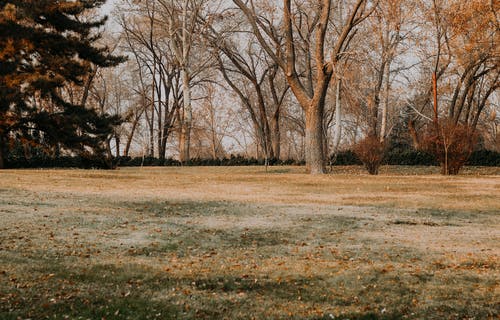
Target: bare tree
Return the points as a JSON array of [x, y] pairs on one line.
[[256, 80], [311, 96], [181, 21], [158, 72]]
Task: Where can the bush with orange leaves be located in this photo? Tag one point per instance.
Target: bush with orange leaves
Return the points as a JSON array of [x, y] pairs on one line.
[[451, 143], [371, 152]]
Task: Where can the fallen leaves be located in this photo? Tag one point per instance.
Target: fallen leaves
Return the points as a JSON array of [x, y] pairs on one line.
[[309, 262]]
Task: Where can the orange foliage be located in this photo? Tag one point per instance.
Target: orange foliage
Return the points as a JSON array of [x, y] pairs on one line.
[[473, 26]]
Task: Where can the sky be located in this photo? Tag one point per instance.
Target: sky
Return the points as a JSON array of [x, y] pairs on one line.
[[108, 6], [106, 9]]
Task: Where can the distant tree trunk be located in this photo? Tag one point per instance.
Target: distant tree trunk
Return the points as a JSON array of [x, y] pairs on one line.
[[159, 119], [213, 134], [87, 86], [337, 129], [131, 136], [117, 142], [108, 149], [276, 135], [375, 103], [165, 134], [152, 124], [266, 136], [152, 132], [385, 104], [260, 142], [164, 138], [275, 119], [413, 134], [129, 140], [214, 147], [187, 119], [168, 116]]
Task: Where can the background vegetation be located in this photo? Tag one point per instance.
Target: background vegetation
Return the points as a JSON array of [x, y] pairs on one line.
[[210, 79]]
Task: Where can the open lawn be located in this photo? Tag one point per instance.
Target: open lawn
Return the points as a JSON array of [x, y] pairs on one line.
[[242, 243]]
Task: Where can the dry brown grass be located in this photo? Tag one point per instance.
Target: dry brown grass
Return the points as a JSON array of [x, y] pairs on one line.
[[239, 242]]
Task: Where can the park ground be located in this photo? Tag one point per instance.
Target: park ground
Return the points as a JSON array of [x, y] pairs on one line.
[[243, 243]]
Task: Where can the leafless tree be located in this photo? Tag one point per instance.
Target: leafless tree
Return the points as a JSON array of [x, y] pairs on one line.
[[310, 93]]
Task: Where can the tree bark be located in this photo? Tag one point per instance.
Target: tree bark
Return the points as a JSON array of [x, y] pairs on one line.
[[314, 140]]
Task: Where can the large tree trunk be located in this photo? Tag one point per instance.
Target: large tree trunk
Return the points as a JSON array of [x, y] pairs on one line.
[[185, 138], [314, 140]]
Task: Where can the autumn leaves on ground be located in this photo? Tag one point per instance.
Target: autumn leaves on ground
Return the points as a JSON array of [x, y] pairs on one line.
[[242, 243]]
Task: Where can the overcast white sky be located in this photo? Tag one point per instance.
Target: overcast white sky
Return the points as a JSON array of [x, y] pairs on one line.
[[108, 6]]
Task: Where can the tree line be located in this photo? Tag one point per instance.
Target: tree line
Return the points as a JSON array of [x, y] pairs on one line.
[[288, 79]]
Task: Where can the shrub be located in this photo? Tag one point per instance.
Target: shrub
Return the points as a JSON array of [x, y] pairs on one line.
[[371, 152], [452, 144]]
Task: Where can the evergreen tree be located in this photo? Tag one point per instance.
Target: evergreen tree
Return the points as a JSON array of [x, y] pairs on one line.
[[44, 46]]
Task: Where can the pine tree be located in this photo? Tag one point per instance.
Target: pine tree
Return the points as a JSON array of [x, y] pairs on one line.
[[44, 46]]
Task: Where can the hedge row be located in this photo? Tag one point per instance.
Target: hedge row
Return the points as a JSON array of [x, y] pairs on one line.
[[231, 161], [393, 157], [40, 161], [484, 158]]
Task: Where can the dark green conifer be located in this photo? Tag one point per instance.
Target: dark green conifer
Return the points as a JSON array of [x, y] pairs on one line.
[[44, 46]]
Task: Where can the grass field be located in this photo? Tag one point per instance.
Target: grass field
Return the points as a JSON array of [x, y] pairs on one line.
[[243, 243]]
